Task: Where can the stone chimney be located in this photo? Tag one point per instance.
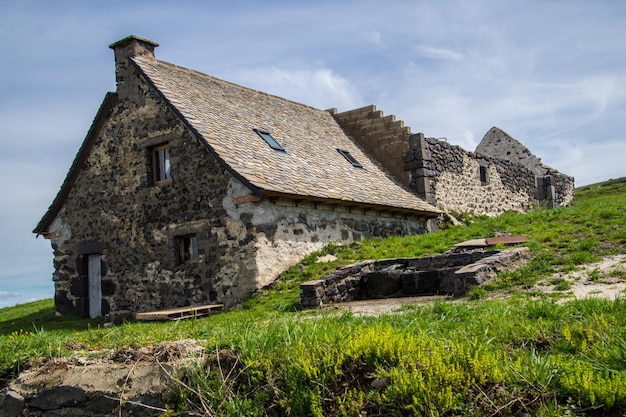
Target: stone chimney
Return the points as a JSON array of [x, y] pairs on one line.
[[124, 49]]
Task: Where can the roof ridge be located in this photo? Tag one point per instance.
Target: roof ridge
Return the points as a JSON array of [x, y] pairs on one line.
[[220, 80]]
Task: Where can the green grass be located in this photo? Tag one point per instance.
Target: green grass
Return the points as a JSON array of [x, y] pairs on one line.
[[526, 354]]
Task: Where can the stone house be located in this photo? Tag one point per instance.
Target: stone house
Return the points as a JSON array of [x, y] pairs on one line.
[[190, 190]]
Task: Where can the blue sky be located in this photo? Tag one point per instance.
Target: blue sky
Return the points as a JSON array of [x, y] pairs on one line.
[[550, 73]]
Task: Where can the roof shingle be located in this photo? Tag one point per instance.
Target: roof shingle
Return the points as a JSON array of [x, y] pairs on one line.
[[226, 114]]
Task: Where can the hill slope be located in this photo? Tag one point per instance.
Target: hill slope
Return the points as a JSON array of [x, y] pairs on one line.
[[527, 353]]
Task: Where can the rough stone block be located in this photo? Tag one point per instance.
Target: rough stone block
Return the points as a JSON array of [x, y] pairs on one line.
[[420, 282], [421, 263], [57, 397], [471, 269], [440, 262], [382, 285], [11, 404], [102, 404], [479, 278], [311, 284], [459, 259]]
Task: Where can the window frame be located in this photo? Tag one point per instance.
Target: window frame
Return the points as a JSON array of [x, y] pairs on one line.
[[483, 174], [188, 251], [161, 163], [350, 158], [269, 139]]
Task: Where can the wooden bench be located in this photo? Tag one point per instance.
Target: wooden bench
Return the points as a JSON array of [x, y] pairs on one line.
[[180, 313]]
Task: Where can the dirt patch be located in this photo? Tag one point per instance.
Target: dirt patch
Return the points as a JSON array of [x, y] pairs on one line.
[[384, 305], [604, 279], [103, 381]]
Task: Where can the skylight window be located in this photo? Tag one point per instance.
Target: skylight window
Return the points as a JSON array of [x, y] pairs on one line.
[[350, 158], [269, 139]]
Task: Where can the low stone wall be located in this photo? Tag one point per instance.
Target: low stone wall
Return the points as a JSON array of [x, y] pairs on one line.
[[451, 274]]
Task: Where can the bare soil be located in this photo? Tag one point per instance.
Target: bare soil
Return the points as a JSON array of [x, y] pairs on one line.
[[117, 375], [604, 279]]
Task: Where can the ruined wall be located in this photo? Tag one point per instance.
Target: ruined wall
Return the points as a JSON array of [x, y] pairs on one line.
[[454, 179], [555, 188]]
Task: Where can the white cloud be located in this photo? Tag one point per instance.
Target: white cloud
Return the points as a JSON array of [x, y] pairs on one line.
[[438, 53], [6, 294], [374, 37], [318, 87]]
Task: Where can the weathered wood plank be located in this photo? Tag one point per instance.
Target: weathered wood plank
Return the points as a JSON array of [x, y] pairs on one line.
[[180, 313]]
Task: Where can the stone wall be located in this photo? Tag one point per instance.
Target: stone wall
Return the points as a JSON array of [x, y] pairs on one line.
[[501, 175], [450, 274], [114, 210], [454, 179]]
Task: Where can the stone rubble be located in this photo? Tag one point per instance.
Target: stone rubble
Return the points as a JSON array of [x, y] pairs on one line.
[[452, 274]]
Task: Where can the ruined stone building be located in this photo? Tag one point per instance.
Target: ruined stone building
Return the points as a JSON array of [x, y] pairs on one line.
[[191, 190]]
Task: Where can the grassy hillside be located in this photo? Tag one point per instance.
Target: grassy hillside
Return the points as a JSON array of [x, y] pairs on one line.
[[525, 354]]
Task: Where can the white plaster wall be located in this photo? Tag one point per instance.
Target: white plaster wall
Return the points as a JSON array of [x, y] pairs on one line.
[[299, 231], [60, 230]]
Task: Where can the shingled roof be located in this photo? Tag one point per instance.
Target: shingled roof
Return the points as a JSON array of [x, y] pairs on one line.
[[224, 116]]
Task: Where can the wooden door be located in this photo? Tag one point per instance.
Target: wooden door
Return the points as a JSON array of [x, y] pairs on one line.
[[94, 286]]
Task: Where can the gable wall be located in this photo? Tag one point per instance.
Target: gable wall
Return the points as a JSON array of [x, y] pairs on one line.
[[554, 187], [115, 210]]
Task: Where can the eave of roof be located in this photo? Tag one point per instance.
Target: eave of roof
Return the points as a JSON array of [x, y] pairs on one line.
[[349, 204], [105, 108]]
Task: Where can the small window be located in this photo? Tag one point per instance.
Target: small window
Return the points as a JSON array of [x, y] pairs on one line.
[[269, 139], [188, 249], [161, 163], [484, 177], [350, 158]]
